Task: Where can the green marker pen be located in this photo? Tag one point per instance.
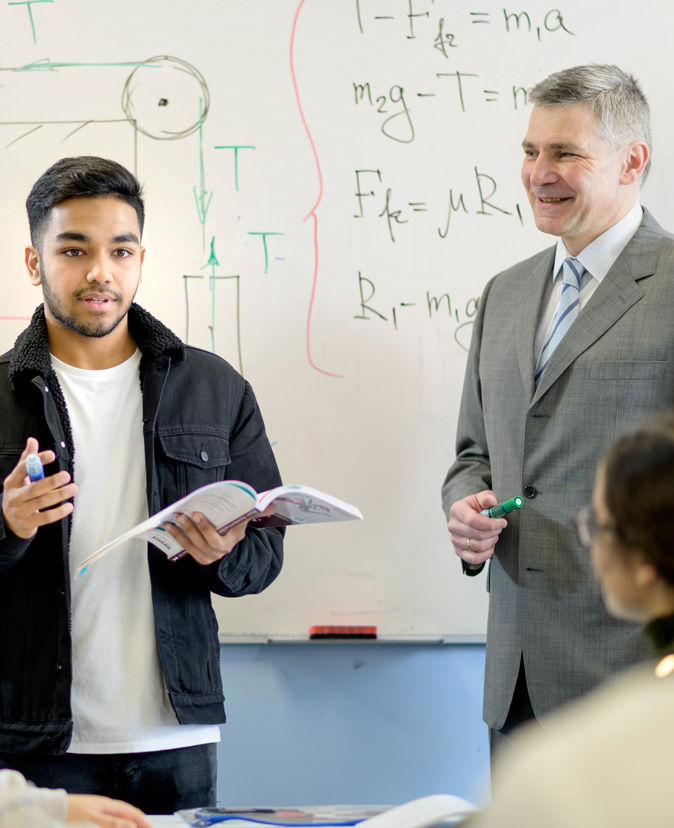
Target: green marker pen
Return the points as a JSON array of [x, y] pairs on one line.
[[502, 509]]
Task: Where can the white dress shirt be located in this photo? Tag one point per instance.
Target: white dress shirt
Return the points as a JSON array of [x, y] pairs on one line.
[[597, 259]]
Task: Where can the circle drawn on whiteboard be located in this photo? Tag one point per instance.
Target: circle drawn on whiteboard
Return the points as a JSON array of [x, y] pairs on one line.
[[166, 98]]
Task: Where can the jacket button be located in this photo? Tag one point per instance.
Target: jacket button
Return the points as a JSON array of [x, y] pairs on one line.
[[530, 492], [204, 456]]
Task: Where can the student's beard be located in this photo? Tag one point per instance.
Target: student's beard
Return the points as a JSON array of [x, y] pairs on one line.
[[93, 327]]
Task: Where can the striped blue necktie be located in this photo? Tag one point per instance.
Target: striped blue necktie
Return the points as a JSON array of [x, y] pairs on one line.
[[567, 311]]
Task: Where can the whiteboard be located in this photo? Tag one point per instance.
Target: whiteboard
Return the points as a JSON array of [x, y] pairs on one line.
[[329, 186]]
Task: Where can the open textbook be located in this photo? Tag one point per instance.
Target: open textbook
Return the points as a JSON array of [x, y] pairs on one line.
[[229, 502], [436, 810]]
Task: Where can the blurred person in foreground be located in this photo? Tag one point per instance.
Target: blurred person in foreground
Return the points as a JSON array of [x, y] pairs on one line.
[[22, 805], [606, 760]]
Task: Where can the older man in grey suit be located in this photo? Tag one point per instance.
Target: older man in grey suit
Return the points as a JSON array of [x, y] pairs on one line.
[[565, 356]]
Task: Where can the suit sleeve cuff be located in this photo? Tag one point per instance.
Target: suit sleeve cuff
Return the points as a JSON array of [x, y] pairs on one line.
[[471, 569]]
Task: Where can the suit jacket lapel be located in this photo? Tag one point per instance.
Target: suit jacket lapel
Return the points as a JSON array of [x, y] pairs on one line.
[[615, 295], [529, 312]]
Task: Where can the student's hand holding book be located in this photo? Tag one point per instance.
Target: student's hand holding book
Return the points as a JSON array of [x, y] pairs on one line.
[[201, 539]]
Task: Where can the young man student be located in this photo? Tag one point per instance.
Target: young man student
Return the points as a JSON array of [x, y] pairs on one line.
[[110, 684], [545, 393]]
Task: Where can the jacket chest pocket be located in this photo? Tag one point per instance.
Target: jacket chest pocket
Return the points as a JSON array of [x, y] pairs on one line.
[[187, 461], [638, 370], [637, 388]]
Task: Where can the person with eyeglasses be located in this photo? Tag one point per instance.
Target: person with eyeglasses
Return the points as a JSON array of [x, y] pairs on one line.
[[606, 760], [628, 530]]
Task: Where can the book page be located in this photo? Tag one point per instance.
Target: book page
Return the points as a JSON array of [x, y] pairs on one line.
[[296, 505]]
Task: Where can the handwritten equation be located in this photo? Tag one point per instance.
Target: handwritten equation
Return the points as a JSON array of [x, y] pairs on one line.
[[397, 122], [425, 19], [404, 313], [395, 211]]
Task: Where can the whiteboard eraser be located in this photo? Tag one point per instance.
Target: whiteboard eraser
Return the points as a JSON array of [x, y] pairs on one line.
[[332, 631]]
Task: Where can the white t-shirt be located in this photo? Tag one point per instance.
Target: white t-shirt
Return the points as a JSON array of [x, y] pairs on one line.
[[119, 699]]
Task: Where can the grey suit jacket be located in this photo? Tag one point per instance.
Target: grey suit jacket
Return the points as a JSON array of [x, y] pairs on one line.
[[615, 365]]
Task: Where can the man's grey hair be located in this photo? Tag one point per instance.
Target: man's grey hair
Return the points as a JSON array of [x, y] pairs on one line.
[[615, 97]]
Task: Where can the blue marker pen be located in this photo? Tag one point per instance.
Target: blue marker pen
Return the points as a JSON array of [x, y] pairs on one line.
[[34, 468]]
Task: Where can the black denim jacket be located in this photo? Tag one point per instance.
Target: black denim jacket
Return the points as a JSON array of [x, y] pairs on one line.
[[201, 423]]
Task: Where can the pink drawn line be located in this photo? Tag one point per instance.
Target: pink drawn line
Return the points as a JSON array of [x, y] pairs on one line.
[[15, 318], [312, 212]]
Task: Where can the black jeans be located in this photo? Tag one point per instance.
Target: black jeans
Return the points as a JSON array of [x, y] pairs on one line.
[[158, 783]]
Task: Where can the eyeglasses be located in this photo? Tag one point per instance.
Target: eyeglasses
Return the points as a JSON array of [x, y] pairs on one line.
[[587, 526]]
